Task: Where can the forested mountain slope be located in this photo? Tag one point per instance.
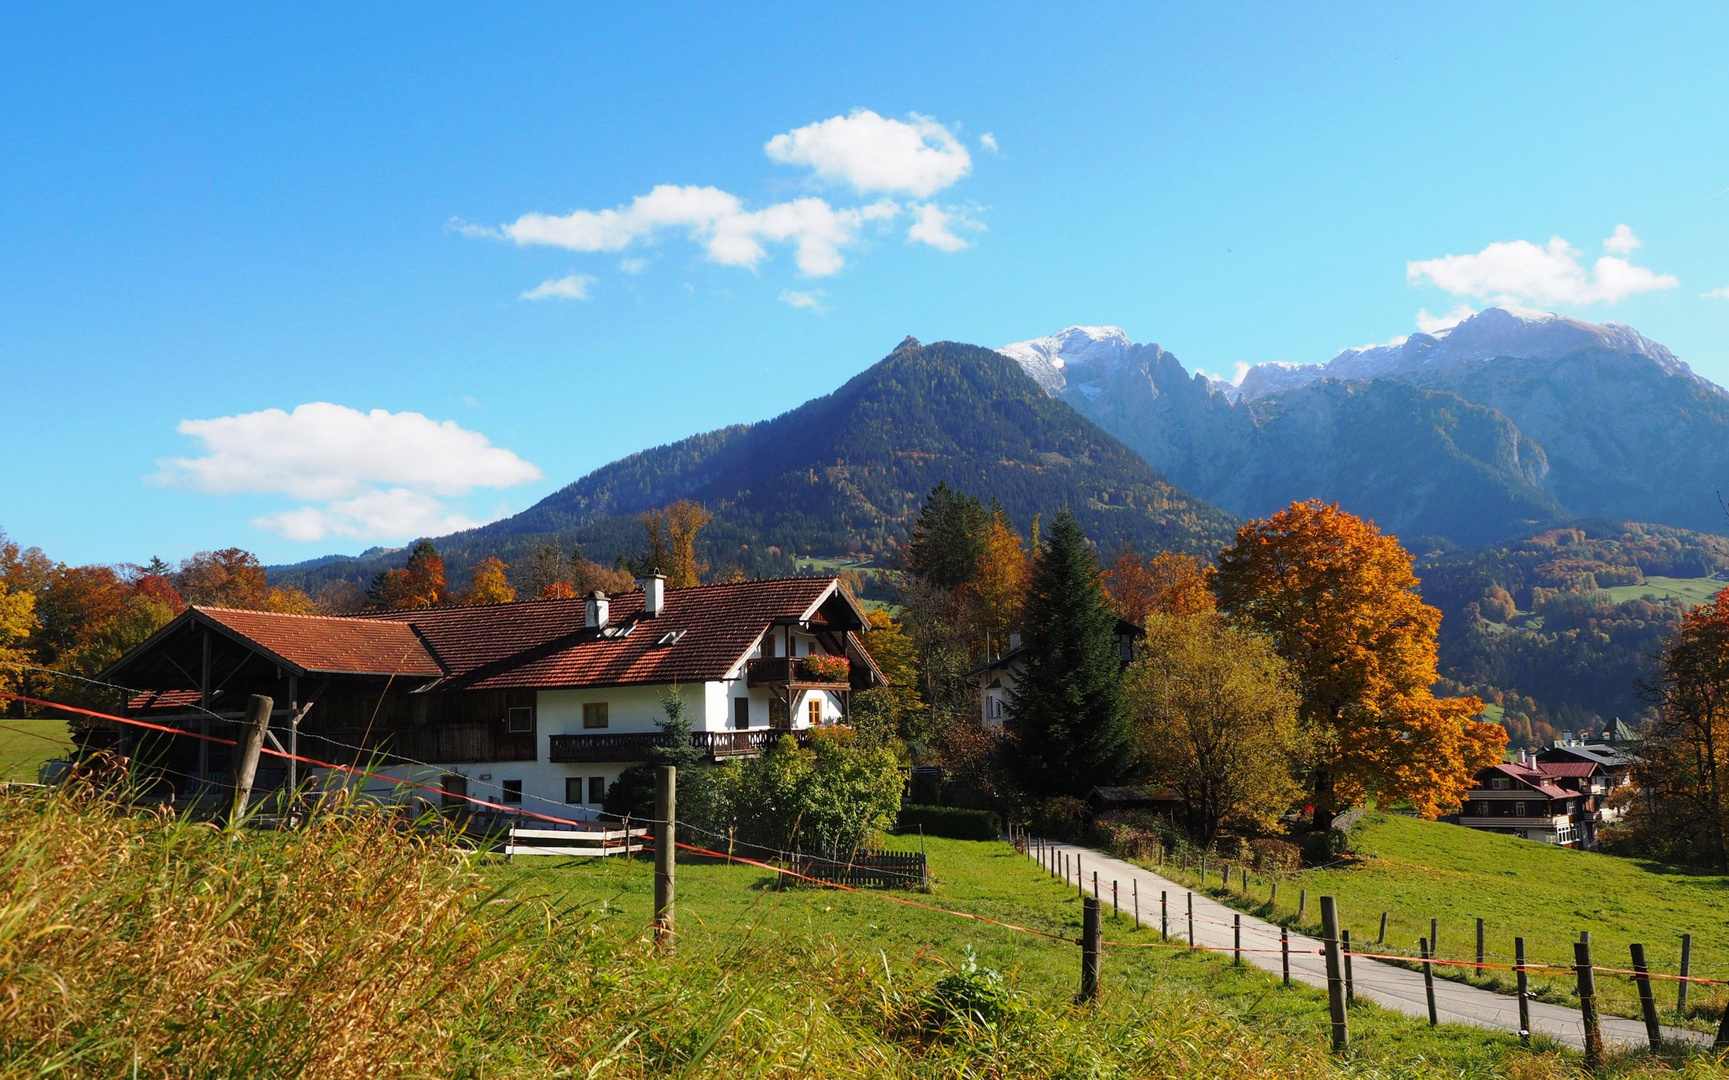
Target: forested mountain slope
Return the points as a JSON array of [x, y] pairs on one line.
[[848, 471]]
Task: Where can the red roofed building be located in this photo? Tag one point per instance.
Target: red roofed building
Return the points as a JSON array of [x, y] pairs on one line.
[[538, 703], [1533, 800]]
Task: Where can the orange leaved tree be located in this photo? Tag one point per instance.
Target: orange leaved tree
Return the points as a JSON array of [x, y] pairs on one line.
[[1169, 583], [1339, 600]]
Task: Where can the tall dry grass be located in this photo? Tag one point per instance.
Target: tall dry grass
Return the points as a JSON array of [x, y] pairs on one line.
[[136, 944]]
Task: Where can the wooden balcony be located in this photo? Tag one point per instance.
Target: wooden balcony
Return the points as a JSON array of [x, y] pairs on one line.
[[634, 746], [791, 672]]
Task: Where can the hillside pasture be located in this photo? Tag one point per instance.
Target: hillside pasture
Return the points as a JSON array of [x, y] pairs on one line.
[[1690, 591], [26, 744]]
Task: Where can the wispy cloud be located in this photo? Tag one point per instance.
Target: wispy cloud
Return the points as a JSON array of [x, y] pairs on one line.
[[1521, 272], [378, 474], [570, 287], [862, 151], [1430, 324], [811, 301], [987, 141]]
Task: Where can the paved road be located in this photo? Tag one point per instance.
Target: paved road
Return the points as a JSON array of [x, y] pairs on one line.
[[1388, 985]]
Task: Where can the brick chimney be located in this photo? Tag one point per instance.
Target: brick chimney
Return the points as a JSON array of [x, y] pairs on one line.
[[595, 612], [653, 593]]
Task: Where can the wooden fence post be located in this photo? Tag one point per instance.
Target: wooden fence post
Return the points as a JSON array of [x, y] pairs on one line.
[[1721, 1042], [665, 865], [251, 741], [1115, 914], [1089, 948], [1479, 948], [1524, 990], [1285, 952], [1335, 974], [1302, 904], [1096, 894], [1588, 1004], [1164, 916], [1237, 939], [1273, 900], [1425, 952], [1434, 937], [1350, 986], [1382, 939], [1647, 1001], [1191, 920], [1686, 970]]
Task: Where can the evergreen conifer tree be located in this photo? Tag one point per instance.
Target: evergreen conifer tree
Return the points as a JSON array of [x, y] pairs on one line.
[[948, 539], [1067, 713]]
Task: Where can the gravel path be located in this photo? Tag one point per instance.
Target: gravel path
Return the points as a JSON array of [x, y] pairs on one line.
[[1386, 984]]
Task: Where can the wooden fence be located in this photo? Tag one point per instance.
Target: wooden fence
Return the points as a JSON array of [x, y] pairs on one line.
[[868, 869]]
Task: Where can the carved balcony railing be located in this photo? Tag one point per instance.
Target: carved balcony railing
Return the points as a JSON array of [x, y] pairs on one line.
[[803, 672], [635, 746]]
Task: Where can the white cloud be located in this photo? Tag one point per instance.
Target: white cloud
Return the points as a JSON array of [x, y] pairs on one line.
[[571, 287], [732, 235], [1623, 242], [1518, 271], [917, 157], [1429, 324], [988, 141], [1723, 292], [810, 301], [380, 474], [935, 226], [374, 515], [870, 153]]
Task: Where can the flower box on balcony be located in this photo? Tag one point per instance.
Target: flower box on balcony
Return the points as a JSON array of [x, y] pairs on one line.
[[819, 668]]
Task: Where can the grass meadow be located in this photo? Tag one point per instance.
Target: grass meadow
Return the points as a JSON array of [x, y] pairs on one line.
[[135, 944], [26, 744], [1420, 870]]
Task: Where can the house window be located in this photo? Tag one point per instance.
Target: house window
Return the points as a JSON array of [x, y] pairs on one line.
[[597, 789], [512, 790], [573, 790], [813, 711], [521, 720], [1499, 783], [1518, 809], [455, 789], [594, 714], [1482, 809], [741, 712]]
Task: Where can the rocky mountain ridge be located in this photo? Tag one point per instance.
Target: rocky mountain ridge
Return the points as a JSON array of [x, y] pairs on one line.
[[1509, 421]]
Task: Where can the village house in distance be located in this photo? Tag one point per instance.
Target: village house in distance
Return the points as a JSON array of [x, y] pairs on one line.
[[1557, 795], [535, 703]]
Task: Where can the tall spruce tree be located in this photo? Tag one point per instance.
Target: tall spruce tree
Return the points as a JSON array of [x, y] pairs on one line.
[[1067, 714], [948, 539]]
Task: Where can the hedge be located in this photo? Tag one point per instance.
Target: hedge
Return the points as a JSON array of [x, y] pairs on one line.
[[952, 822]]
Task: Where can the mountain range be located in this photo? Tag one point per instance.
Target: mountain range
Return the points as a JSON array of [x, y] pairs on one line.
[[847, 473], [1502, 425]]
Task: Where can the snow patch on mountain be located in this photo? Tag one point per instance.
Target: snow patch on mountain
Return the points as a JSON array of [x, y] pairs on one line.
[[1081, 355]]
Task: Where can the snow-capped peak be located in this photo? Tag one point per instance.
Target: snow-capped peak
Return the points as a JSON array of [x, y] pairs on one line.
[[1046, 358]]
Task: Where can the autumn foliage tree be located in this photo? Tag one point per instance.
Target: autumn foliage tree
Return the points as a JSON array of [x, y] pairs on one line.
[[1684, 813], [1170, 583], [231, 578], [1339, 600], [999, 583], [488, 583], [420, 584], [1214, 711], [672, 543]]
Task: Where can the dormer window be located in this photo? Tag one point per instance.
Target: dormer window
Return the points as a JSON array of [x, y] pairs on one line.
[[669, 638], [1499, 783]]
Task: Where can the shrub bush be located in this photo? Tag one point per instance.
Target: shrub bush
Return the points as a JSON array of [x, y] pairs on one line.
[[1277, 856], [951, 822], [1061, 817]]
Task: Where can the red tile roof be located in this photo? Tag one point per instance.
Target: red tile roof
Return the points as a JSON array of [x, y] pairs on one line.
[[543, 643], [1530, 776], [1569, 768], [328, 644]]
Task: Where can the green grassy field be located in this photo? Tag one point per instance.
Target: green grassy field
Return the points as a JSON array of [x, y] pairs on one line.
[[1420, 870], [1689, 591], [26, 744], [720, 907]]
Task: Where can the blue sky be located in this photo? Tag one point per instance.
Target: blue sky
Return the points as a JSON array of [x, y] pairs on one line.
[[208, 215]]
